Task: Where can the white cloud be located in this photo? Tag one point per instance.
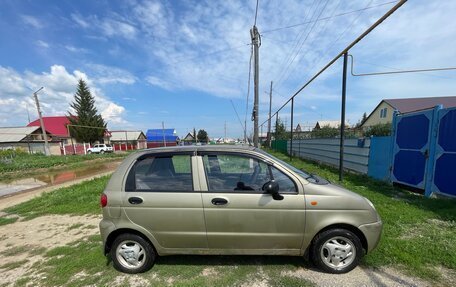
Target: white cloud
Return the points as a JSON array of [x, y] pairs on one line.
[[32, 21], [42, 44], [59, 87], [111, 75], [111, 26], [113, 113], [156, 81], [75, 49], [80, 21]]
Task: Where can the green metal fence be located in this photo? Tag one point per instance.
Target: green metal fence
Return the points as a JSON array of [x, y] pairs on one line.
[[279, 145]]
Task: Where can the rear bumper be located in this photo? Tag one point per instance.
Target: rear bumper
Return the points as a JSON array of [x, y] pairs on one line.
[[106, 227], [372, 232]]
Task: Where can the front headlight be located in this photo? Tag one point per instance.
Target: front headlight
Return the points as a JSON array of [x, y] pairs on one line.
[[371, 204], [373, 207]]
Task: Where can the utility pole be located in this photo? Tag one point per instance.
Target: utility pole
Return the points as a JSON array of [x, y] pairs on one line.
[[255, 35], [269, 121], [46, 145], [163, 131], [225, 133]]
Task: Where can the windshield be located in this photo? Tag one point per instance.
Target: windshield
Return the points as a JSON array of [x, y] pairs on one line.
[[304, 174]]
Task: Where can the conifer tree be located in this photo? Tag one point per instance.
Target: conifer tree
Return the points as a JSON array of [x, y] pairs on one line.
[[86, 116]]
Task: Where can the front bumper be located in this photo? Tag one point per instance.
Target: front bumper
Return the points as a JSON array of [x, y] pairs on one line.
[[372, 232]]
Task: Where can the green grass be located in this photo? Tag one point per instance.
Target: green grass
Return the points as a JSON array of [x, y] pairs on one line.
[[26, 163], [419, 233], [7, 220], [78, 199]]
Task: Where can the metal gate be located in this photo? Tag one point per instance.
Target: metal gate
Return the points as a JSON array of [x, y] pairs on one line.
[[444, 179], [424, 150], [411, 148]]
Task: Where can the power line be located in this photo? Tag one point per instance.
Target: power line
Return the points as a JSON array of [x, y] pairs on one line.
[[184, 59], [329, 17], [300, 48], [234, 108], [297, 40], [341, 34], [302, 45], [398, 71], [359, 38]]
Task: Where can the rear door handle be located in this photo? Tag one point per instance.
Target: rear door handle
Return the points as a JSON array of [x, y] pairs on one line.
[[219, 201], [135, 200]]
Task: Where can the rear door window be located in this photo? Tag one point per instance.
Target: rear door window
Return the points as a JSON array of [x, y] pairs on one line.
[[161, 173]]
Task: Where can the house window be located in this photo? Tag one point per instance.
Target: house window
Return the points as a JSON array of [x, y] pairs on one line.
[[383, 112]]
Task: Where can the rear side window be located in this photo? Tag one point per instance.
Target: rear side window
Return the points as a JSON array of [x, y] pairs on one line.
[[164, 173]]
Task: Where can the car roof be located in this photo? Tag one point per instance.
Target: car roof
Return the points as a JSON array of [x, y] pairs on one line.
[[194, 148]]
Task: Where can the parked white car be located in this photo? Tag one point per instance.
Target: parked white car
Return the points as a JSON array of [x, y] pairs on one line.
[[100, 148]]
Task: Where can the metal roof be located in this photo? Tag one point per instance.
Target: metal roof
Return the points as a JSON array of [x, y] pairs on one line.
[[15, 134], [125, 135], [56, 126], [416, 104]]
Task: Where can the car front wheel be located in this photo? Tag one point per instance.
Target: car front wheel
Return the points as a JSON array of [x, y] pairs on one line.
[[132, 254], [336, 251]]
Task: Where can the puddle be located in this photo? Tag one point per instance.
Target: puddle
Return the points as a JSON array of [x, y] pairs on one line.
[[52, 178]]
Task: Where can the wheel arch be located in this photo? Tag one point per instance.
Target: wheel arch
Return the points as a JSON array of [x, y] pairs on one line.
[[113, 235], [348, 227]]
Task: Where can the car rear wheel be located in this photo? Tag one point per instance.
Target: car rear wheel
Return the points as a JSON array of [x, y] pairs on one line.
[[89, 152], [102, 151], [132, 254], [336, 251]]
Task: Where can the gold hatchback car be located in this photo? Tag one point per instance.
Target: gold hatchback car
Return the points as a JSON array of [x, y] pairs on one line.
[[230, 200]]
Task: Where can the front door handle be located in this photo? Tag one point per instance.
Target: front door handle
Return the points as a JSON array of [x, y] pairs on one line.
[[135, 200], [219, 201]]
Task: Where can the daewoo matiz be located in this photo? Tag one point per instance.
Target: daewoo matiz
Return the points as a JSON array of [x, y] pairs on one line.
[[230, 200]]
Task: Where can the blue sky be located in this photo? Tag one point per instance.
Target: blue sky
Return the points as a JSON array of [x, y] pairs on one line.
[[183, 62]]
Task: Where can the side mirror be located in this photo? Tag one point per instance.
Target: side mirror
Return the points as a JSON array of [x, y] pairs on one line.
[[272, 188]]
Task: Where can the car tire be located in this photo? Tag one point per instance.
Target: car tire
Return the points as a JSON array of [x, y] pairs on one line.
[[89, 152], [102, 152], [336, 251], [130, 253]]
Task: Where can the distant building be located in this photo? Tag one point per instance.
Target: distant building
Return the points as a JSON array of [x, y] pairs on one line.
[[122, 140], [56, 126], [383, 112], [331, 124], [29, 139], [161, 137], [189, 139]]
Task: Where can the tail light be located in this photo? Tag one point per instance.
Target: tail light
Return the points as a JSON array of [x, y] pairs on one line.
[[103, 200]]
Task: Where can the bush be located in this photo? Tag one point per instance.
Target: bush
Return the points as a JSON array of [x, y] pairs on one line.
[[378, 130]]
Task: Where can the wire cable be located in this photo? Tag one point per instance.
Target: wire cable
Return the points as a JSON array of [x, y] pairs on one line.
[[398, 71], [329, 17], [296, 41]]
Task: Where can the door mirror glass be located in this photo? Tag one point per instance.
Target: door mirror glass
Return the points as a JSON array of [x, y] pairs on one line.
[[272, 188]]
